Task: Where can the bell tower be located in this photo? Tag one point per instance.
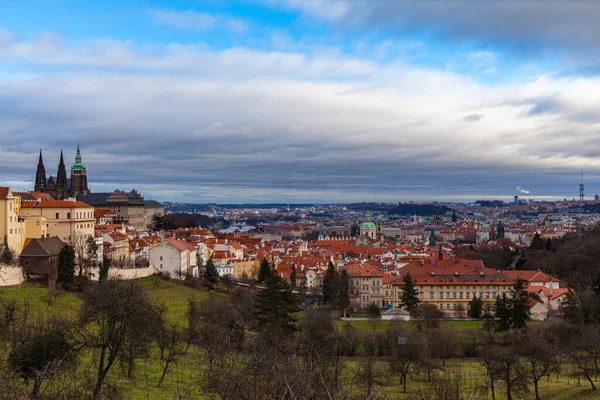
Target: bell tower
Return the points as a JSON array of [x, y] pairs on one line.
[[78, 176]]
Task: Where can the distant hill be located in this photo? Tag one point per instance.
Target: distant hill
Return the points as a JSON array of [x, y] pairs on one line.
[[419, 209]]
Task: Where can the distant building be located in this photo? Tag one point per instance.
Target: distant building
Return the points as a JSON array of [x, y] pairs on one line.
[[597, 196], [60, 187], [368, 228], [130, 207]]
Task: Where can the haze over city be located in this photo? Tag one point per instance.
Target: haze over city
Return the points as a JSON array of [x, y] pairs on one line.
[[304, 100]]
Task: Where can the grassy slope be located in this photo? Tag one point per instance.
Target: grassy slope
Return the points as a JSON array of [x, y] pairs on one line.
[[185, 375]]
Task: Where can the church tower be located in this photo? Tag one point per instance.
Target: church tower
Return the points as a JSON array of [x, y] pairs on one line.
[[78, 176], [40, 176], [62, 185]]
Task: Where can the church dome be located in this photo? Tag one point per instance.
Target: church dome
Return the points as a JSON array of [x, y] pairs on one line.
[[367, 225]]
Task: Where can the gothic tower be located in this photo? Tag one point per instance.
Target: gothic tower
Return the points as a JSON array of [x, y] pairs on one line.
[[62, 185], [78, 176], [40, 176]]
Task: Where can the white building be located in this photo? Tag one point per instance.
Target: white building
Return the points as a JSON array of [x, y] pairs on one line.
[[175, 258]]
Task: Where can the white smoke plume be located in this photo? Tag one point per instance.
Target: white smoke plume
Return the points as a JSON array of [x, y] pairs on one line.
[[523, 191]]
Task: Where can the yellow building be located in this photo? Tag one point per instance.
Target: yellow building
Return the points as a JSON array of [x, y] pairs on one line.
[[64, 218], [243, 267], [12, 228], [451, 284]]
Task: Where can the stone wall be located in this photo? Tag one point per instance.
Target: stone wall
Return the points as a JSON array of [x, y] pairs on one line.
[[10, 276], [125, 273]]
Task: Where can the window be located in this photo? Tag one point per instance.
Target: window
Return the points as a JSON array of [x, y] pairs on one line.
[[37, 222], [447, 306], [11, 218], [57, 216], [441, 306], [161, 258], [68, 215], [27, 263], [11, 231]]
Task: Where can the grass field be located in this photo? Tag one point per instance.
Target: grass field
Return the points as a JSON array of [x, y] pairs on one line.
[[379, 325]]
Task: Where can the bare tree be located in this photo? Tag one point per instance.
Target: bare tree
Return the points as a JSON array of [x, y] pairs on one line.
[[110, 313], [408, 353], [538, 355], [585, 353], [170, 348], [372, 375]]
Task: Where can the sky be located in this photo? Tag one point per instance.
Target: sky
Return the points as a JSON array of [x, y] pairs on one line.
[[312, 101]]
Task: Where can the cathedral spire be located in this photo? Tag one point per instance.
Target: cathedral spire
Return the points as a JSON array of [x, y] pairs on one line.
[[62, 188], [40, 176]]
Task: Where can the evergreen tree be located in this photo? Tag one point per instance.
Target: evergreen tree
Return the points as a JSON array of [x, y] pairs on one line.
[[571, 309], [409, 298], [66, 265], [503, 320], [344, 291], [293, 276], [548, 244], [519, 312], [475, 307], [265, 271], [331, 287], [537, 243], [103, 273], [274, 307], [8, 256], [210, 272]]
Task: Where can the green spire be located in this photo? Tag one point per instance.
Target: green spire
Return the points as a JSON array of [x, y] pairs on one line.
[[78, 166]]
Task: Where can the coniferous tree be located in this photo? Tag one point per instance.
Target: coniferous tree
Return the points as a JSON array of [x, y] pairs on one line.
[[571, 309], [409, 298], [503, 320], [519, 312], [103, 273], [66, 265], [475, 307], [8, 255], [293, 276], [344, 291], [274, 307], [537, 243], [210, 272], [265, 271], [331, 287]]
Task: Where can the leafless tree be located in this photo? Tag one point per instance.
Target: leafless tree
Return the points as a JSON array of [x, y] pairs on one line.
[[408, 353], [538, 354], [111, 311], [585, 353], [170, 348], [372, 375]]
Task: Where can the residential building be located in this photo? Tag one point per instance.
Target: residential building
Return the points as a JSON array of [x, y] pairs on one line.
[[12, 227], [451, 284], [366, 286], [64, 218], [39, 259], [174, 258]]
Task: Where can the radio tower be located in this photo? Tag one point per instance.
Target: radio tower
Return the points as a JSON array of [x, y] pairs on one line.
[[581, 188]]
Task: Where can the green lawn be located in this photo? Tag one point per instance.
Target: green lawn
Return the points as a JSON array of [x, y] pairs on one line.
[[379, 325]]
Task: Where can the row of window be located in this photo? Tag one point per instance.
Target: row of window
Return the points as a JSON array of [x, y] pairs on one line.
[[460, 295]]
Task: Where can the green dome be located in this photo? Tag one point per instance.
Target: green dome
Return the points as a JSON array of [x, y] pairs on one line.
[[367, 225]]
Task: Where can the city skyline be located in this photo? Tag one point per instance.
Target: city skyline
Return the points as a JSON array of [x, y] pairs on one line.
[[304, 101]]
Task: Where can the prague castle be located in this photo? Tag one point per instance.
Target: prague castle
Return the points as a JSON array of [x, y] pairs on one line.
[[60, 187]]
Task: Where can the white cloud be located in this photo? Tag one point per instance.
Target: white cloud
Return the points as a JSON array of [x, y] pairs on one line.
[[263, 123]]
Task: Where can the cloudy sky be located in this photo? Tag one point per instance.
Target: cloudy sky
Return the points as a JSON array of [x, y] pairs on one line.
[[305, 100]]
